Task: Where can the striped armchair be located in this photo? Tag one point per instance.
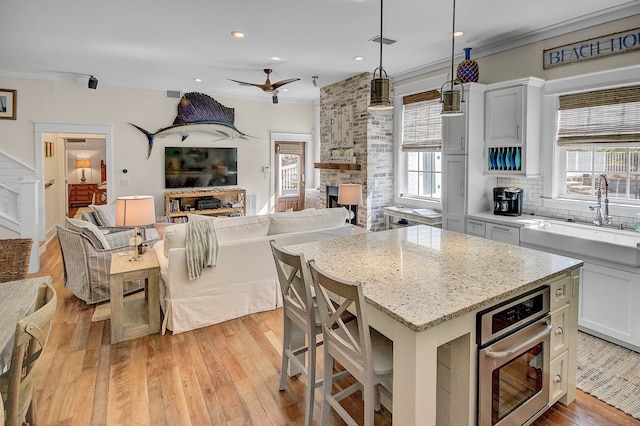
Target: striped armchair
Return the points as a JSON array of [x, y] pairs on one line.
[[87, 262]]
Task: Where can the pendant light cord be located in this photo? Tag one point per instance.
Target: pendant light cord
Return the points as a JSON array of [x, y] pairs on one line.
[[381, 38], [453, 41]]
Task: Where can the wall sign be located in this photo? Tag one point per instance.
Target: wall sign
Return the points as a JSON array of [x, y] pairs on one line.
[[341, 135], [612, 44]]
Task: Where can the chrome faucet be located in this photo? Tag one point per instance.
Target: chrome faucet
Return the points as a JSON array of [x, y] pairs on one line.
[[602, 212]]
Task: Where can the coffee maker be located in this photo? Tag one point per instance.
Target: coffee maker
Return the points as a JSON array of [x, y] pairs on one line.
[[507, 201]]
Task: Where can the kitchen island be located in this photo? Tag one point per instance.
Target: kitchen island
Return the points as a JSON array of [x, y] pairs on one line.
[[423, 287]]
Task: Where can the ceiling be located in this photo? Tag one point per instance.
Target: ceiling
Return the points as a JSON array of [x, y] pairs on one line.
[[164, 45]]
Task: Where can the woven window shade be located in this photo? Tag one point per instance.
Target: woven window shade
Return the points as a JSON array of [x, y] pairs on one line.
[[603, 116], [422, 122]]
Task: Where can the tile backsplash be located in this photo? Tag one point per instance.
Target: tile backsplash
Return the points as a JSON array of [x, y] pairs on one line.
[[532, 203]]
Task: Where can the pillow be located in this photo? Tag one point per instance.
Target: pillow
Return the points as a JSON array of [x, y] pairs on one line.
[[89, 217], [91, 231], [105, 214], [307, 220], [175, 236], [236, 228]]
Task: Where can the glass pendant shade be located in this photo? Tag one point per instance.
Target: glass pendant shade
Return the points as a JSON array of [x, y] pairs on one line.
[[380, 94], [451, 102]]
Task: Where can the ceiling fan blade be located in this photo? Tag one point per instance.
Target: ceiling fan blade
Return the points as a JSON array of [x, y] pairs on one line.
[[246, 84], [283, 82]]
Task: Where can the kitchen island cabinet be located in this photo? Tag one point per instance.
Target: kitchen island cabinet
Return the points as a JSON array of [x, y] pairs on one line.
[[423, 287]]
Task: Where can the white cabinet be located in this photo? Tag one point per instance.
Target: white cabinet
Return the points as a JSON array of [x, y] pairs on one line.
[[564, 337], [513, 127], [503, 116], [558, 371], [454, 201], [503, 233], [476, 227], [454, 133], [492, 231], [609, 303]]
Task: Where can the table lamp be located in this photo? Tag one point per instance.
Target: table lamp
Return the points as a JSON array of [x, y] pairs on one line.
[[350, 194], [83, 163], [136, 210]]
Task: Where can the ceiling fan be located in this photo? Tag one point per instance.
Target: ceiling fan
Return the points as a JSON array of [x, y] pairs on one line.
[[267, 86]]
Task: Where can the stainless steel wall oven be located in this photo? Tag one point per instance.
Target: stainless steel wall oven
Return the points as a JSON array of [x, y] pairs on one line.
[[513, 359]]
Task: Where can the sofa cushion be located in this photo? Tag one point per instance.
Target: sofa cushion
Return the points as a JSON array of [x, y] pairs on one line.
[[307, 220], [91, 231], [105, 214], [236, 228]]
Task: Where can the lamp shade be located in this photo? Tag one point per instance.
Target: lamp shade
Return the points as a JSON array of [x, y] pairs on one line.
[[83, 163], [136, 210], [350, 194]]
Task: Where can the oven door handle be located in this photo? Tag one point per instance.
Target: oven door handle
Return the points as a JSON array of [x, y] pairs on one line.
[[511, 351]]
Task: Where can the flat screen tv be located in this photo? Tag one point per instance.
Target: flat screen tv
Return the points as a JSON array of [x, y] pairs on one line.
[[200, 167]]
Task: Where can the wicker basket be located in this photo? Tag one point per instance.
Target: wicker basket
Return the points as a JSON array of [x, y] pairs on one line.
[[14, 258]]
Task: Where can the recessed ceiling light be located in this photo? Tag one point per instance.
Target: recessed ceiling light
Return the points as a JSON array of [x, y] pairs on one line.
[[197, 79], [237, 34], [285, 90], [358, 58], [275, 58], [458, 33]]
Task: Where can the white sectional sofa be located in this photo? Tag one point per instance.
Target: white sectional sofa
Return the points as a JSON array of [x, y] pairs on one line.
[[244, 280]]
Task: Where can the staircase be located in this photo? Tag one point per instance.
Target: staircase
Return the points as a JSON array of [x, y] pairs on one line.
[[19, 205]]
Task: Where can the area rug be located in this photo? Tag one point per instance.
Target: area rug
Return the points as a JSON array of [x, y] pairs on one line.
[[610, 373], [103, 312]]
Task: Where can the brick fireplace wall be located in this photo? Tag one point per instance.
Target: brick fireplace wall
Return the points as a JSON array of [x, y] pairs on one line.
[[373, 148]]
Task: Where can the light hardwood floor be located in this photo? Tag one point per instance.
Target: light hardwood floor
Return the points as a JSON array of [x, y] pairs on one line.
[[226, 374]]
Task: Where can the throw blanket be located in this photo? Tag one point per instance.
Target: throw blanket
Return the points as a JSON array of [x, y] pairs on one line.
[[201, 247]]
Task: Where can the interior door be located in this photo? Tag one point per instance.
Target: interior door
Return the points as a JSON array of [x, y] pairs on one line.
[[289, 176]]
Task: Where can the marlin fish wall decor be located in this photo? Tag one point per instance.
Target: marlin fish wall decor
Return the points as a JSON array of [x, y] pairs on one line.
[[198, 113]]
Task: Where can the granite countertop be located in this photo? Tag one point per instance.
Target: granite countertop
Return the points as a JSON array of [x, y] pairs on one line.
[[423, 276]]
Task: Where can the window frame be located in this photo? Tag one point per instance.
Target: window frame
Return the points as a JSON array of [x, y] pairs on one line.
[[612, 200], [400, 158], [553, 171]]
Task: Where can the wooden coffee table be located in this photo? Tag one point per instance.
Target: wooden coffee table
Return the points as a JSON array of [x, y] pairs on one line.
[[137, 317]]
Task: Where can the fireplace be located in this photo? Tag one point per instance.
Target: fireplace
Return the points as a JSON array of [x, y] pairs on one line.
[[332, 201]]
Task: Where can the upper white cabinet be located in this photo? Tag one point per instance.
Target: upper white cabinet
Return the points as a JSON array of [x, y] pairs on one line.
[[512, 128]]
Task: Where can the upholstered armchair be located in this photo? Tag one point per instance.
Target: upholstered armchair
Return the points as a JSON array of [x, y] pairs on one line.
[[86, 256]]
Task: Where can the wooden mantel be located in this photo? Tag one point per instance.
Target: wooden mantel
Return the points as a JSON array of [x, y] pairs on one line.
[[338, 166]]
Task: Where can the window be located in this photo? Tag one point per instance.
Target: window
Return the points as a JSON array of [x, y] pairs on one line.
[[422, 141], [599, 133], [621, 165]]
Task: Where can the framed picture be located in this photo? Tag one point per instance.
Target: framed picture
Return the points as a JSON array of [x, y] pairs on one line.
[[8, 104]]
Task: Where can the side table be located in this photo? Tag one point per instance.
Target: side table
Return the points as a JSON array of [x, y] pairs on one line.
[[137, 317]]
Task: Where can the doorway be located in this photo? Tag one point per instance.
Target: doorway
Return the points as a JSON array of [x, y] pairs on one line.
[[86, 171], [53, 208], [289, 164]]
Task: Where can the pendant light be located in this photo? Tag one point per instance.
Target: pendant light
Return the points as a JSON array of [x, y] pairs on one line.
[[380, 86], [452, 97]]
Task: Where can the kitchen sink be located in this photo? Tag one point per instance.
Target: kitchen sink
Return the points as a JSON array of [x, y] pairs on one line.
[[584, 240]]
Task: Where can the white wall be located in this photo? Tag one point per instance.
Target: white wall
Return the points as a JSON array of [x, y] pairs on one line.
[[526, 61], [40, 101]]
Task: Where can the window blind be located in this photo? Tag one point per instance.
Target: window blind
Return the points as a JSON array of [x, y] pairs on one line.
[[421, 122], [602, 116]]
